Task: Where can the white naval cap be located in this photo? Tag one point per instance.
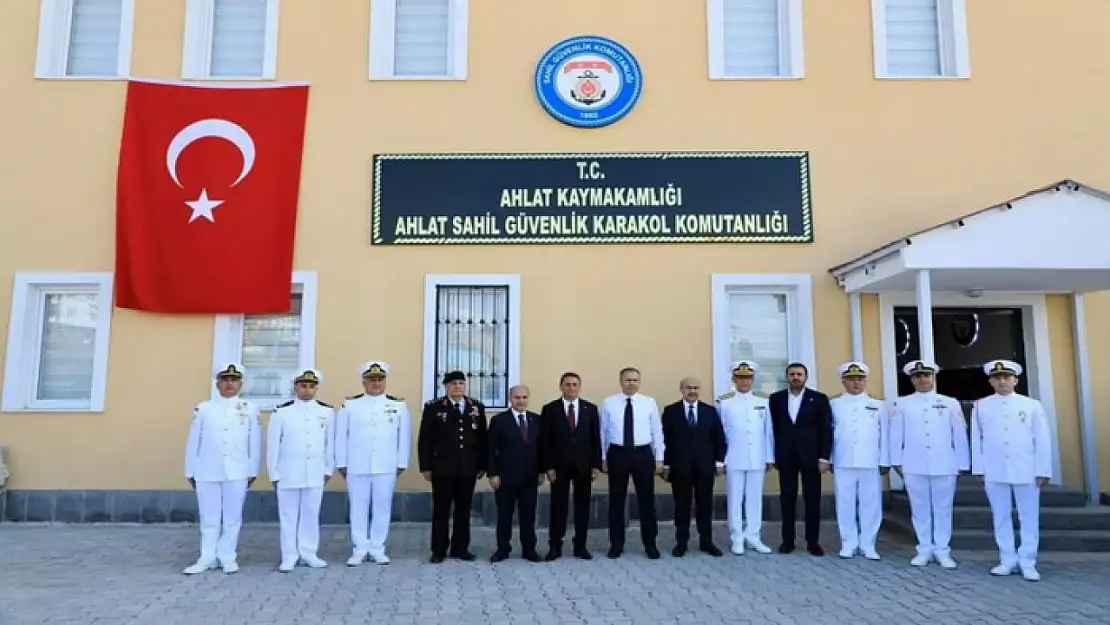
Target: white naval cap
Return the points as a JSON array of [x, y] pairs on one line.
[[374, 369], [854, 369], [309, 375], [916, 367], [1002, 367], [231, 370], [744, 368]]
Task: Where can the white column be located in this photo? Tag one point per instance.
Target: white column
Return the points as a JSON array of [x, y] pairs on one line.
[[1083, 389], [855, 316], [925, 316]]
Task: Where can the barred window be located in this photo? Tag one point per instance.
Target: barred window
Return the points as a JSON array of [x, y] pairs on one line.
[[472, 336], [272, 351]]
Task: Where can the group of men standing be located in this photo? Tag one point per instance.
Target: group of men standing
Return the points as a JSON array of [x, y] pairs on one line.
[[799, 431]]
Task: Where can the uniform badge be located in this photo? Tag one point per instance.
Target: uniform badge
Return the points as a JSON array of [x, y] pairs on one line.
[[323, 419], [588, 82], [1022, 416], [442, 417], [474, 425]]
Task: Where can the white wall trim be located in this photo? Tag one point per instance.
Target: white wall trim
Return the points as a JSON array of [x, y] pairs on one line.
[[798, 287], [429, 384], [1087, 429], [955, 53], [196, 57], [1038, 348], [791, 42], [228, 342], [21, 363], [52, 55], [382, 32]]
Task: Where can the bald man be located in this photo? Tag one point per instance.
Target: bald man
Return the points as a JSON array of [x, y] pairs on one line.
[[693, 455]]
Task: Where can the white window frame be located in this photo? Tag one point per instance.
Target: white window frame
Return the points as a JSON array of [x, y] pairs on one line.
[[228, 344], [382, 33], [429, 386], [791, 42], [21, 366], [798, 289], [196, 60], [52, 56], [954, 45]]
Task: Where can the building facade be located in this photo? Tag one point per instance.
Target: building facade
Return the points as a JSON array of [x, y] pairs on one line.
[[969, 134]]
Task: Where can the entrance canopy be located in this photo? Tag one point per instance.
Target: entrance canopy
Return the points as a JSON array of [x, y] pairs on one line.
[[1055, 239]]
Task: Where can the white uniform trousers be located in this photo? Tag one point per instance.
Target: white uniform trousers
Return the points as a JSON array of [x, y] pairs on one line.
[[220, 507], [931, 499], [1028, 498], [299, 517], [745, 500], [862, 488], [363, 492]]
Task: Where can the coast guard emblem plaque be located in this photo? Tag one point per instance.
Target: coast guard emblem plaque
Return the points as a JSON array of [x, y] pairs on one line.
[[588, 82]]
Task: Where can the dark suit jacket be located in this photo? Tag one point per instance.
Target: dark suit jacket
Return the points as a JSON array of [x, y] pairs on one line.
[[700, 446], [515, 460], [452, 443], [810, 438], [565, 448]]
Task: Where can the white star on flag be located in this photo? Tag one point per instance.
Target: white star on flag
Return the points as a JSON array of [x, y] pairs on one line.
[[202, 207]]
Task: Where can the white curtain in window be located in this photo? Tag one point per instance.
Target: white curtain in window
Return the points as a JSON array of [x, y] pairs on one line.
[[238, 38], [272, 351], [94, 36], [67, 347], [421, 37], [760, 330]]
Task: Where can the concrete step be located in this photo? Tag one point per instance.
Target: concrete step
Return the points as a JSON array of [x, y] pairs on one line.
[[1060, 518], [971, 494], [1074, 541]]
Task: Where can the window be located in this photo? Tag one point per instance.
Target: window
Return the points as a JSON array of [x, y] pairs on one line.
[[766, 318], [231, 40], [273, 348], [755, 39], [418, 39], [920, 38], [472, 324], [58, 339], [85, 39]]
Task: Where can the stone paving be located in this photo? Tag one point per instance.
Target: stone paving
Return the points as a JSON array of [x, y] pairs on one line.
[[123, 575]]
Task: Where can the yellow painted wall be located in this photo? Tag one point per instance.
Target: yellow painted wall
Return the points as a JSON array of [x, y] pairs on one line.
[[888, 158]]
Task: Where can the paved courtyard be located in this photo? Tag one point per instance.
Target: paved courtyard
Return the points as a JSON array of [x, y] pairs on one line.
[[117, 575]]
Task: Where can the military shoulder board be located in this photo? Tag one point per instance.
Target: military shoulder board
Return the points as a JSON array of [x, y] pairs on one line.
[[355, 396], [728, 395], [395, 398], [323, 404], [873, 408], [288, 403]]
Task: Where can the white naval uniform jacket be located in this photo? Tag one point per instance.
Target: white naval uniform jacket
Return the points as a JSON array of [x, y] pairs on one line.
[[373, 435], [928, 435], [225, 441], [748, 433], [299, 444], [859, 432], [1010, 440]]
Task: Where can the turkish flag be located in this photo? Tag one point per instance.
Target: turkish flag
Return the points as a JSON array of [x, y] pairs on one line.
[[206, 197]]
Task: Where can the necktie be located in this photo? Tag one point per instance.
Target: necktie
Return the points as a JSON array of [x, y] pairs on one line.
[[570, 415], [629, 425], [459, 408], [690, 417], [523, 426]]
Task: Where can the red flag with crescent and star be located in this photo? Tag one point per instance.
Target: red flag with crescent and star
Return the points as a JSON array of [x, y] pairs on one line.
[[206, 197]]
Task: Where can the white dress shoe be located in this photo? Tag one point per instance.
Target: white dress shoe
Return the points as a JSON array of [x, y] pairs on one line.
[[946, 562], [1030, 574], [356, 558], [314, 563], [199, 567], [230, 567], [379, 558], [1002, 570], [759, 546], [287, 566], [737, 549], [920, 560], [871, 554], [847, 553]]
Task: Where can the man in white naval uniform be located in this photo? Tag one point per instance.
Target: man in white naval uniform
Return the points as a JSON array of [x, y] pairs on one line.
[[222, 458], [1011, 454], [859, 458], [929, 449], [372, 447], [300, 461], [750, 455]]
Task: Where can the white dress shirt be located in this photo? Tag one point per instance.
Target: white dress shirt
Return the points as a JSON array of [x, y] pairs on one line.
[[1010, 440], [647, 427], [859, 432], [299, 444], [225, 441], [373, 435], [928, 435], [794, 404], [747, 423]]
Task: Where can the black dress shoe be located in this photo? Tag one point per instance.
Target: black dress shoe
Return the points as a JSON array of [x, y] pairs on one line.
[[498, 556], [582, 554], [712, 550], [815, 550], [466, 556], [614, 553], [786, 548], [678, 551], [652, 553], [532, 556], [437, 558], [553, 555]]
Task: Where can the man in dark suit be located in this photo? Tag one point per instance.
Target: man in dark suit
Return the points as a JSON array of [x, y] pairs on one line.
[[452, 451], [516, 468], [802, 421], [694, 454], [572, 435]]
